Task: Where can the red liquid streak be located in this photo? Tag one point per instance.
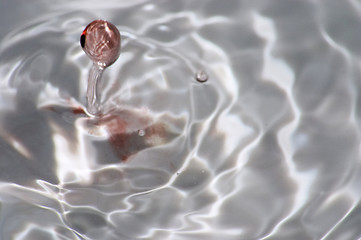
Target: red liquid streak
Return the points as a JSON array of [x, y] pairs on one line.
[[123, 129]]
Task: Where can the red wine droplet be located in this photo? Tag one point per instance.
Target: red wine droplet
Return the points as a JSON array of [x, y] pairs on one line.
[[100, 40]]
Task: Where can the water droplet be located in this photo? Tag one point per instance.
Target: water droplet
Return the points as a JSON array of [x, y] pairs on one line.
[[202, 76], [101, 41], [141, 132]]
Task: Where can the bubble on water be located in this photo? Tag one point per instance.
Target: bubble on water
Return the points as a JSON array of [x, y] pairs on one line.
[[202, 76], [141, 132]]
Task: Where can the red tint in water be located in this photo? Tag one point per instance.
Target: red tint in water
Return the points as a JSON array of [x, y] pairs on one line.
[[130, 133], [78, 111]]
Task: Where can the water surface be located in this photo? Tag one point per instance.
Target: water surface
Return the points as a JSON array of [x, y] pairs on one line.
[[266, 148]]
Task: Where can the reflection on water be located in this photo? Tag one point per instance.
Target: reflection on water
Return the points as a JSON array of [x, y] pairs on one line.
[[224, 120]]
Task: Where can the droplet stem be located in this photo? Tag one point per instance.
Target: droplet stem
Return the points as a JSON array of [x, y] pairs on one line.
[[93, 91]]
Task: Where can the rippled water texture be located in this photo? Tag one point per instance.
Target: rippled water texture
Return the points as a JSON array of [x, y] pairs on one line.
[[266, 145]]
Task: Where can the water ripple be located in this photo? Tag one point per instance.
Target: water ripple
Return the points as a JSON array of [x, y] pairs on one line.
[[266, 148]]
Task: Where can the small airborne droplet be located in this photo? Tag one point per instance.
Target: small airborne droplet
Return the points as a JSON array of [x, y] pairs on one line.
[[100, 40], [202, 76]]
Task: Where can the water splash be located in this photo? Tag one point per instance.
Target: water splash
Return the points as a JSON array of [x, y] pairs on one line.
[[274, 130]]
